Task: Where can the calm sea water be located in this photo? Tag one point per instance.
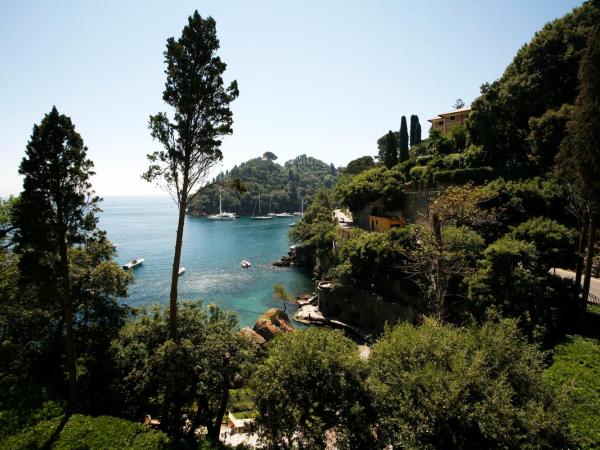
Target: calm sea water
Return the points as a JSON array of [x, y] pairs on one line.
[[144, 227]]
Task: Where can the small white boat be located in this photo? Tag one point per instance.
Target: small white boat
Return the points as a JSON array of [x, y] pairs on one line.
[[292, 224], [181, 270], [283, 215], [133, 263], [245, 264]]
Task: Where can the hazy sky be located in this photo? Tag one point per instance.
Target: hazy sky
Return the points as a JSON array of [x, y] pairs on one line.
[[325, 78]]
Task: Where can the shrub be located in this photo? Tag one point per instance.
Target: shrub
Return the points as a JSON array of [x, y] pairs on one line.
[[477, 175], [312, 381], [436, 386]]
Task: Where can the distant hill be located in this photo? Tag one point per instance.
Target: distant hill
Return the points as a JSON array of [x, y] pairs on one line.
[[283, 187]]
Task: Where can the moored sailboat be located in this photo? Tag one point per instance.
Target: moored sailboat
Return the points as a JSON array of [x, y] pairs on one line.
[[260, 216]]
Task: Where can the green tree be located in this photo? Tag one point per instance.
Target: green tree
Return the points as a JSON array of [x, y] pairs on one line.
[[542, 76], [311, 382], [459, 103], [190, 376], [415, 130], [281, 293], [580, 154], [554, 242], [403, 155], [56, 211], [547, 132], [436, 386], [191, 140], [270, 156], [391, 150], [355, 192], [359, 165]]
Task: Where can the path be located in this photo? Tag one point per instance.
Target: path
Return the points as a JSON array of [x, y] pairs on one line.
[[594, 283]]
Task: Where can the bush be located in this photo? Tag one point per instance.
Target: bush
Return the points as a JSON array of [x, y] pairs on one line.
[[84, 432], [370, 185], [436, 386], [477, 175], [312, 381]]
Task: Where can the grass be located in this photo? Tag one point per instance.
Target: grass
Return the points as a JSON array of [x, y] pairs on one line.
[[576, 366], [85, 432], [240, 400]]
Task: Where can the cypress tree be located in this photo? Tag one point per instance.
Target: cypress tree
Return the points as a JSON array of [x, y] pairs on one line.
[[56, 211], [415, 130], [403, 140], [391, 150], [417, 137]]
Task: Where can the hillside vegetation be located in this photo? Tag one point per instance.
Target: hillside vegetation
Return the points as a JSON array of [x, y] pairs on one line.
[[283, 188]]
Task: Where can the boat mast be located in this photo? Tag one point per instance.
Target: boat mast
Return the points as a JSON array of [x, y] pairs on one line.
[[220, 208], [259, 213]]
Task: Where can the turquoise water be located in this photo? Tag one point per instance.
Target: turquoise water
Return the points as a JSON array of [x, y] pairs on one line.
[[144, 227]]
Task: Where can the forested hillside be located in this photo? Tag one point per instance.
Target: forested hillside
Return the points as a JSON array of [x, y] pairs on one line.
[[283, 188]]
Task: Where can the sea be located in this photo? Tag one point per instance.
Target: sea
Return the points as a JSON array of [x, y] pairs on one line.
[[145, 227]]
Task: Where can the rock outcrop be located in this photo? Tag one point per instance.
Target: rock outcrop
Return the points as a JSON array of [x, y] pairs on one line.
[[252, 337], [273, 322]]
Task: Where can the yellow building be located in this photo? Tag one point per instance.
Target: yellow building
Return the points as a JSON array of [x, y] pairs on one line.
[[380, 223], [445, 121]]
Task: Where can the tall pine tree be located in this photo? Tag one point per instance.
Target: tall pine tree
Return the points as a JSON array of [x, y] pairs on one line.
[[403, 140], [201, 116], [579, 157], [56, 212]]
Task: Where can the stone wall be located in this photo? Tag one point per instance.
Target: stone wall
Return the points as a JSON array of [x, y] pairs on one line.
[[360, 309]]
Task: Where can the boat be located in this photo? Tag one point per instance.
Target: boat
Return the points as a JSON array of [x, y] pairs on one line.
[[300, 213], [260, 216], [133, 263], [222, 215], [284, 215], [245, 264], [292, 224], [181, 270]]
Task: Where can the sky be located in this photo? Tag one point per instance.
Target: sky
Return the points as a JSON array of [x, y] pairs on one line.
[[322, 78]]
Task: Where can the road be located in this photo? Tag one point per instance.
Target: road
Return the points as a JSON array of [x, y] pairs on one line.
[[594, 283]]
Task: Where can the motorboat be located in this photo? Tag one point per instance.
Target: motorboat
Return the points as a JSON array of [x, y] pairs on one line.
[[181, 271], [245, 264], [284, 214], [133, 263]]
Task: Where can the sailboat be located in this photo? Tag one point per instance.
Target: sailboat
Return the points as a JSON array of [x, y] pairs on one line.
[[300, 213], [222, 215], [260, 217]]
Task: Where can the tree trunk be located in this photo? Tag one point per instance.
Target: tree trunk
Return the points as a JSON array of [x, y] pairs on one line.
[[439, 289], [222, 408], [591, 242], [176, 261], [580, 252], [68, 311]]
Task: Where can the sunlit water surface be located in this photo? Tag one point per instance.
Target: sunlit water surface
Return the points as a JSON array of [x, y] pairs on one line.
[[144, 227]]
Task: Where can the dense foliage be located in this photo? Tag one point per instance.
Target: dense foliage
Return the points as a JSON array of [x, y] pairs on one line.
[[311, 382], [576, 365], [286, 188], [188, 377], [542, 77], [436, 386]]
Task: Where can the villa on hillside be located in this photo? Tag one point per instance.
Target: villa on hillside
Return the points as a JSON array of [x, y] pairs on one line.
[[445, 121]]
